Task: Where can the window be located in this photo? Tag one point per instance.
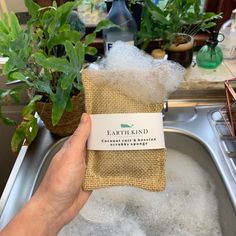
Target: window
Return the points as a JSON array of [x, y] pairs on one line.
[[163, 2], [91, 12], [99, 10], [92, 16]]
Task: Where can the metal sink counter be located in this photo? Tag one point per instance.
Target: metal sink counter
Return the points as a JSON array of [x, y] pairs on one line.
[[185, 126]]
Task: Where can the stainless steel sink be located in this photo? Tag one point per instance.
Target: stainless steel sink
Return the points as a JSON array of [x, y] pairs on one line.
[[192, 130]]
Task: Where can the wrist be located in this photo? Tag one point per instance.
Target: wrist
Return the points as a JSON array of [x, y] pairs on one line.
[[48, 217], [37, 220]]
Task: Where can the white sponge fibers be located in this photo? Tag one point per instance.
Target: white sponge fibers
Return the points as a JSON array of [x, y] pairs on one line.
[[137, 74]]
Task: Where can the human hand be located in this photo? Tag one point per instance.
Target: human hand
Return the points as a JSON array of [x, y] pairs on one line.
[[60, 190], [60, 196]]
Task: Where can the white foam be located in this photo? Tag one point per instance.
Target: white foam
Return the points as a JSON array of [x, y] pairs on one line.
[[102, 211], [187, 207], [137, 74]]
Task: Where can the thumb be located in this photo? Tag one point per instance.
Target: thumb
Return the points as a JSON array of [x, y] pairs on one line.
[[76, 143]]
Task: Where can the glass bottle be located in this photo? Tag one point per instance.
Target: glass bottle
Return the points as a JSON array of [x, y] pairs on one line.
[[120, 15], [210, 56], [228, 29]]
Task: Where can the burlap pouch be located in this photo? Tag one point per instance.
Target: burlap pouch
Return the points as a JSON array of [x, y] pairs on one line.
[[139, 168]]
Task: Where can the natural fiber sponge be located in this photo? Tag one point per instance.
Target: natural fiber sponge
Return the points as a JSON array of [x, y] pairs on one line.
[[128, 80], [140, 168]]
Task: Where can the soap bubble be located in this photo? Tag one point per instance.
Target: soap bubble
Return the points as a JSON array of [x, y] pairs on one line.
[[137, 74], [185, 208]]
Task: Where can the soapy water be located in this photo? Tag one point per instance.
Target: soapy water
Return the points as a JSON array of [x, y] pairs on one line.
[[188, 206], [128, 69]]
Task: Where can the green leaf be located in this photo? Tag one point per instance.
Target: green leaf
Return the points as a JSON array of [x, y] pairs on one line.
[[105, 24], [79, 47], [69, 105], [43, 86], [15, 25], [30, 108], [65, 9], [17, 138], [6, 120], [54, 63], [3, 27], [61, 37], [90, 38], [14, 62], [59, 102], [60, 17], [208, 26], [21, 77], [31, 130], [8, 66], [5, 39], [19, 40], [6, 20], [152, 7], [53, 26], [91, 51], [71, 53], [27, 129], [32, 7], [46, 19], [67, 80], [159, 17], [211, 16], [17, 76], [197, 6], [13, 93], [18, 55], [78, 85]]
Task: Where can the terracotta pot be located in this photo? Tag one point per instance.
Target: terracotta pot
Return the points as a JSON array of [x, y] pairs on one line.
[[69, 120], [182, 50]]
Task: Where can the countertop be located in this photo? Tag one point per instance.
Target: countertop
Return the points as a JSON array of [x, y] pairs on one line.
[[206, 83], [197, 77]]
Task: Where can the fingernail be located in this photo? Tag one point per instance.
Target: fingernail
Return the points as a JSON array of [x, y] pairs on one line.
[[84, 118]]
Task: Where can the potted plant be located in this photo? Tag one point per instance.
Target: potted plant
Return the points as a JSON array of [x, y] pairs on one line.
[[52, 78], [175, 24]]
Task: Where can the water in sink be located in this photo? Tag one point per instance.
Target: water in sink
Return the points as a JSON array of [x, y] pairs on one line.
[[188, 206]]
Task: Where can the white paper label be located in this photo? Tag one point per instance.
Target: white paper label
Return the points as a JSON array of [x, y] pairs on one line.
[[126, 131]]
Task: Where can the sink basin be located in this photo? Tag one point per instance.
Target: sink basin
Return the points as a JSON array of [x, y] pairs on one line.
[[180, 146], [191, 143]]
